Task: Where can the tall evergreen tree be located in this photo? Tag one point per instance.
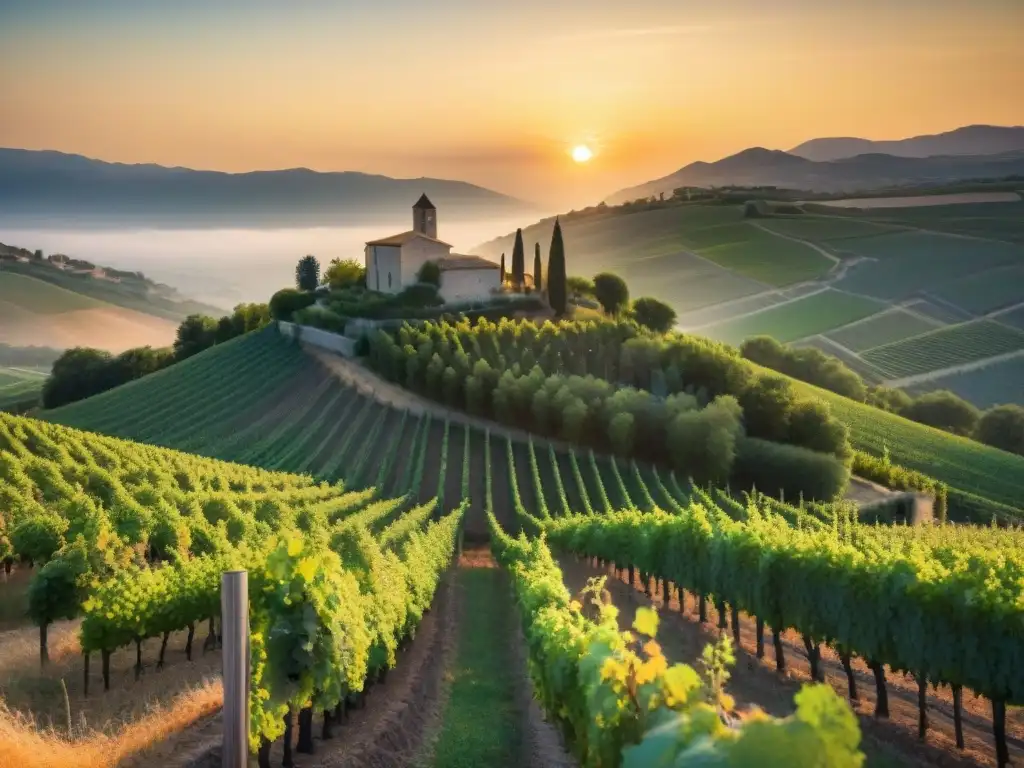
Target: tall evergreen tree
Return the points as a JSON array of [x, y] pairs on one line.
[[518, 261], [538, 282], [307, 273], [502, 268], [556, 271]]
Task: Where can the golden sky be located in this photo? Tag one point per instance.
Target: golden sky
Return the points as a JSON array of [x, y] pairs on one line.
[[496, 93]]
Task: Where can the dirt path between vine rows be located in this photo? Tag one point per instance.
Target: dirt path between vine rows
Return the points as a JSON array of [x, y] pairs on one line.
[[386, 733], [489, 713], [755, 682]]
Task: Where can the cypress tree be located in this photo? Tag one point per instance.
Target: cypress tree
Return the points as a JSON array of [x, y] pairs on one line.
[[518, 261], [502, 268], [556, 271], [538, 283]]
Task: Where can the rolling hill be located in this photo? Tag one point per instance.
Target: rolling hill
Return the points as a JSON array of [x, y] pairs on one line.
[[758, 166], [58, 184], [926, 298], [34, 312], [968, 140]]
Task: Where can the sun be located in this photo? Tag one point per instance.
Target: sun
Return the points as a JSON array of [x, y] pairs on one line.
[[581, 153]]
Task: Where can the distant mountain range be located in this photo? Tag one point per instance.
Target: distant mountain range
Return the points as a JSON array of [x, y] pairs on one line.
[[47, 183], [969, 140], [768, 167]]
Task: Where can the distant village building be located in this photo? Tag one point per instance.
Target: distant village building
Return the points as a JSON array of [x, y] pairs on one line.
[[393, 263]]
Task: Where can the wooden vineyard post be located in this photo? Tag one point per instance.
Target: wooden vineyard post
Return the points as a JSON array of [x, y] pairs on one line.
[[234, 608]]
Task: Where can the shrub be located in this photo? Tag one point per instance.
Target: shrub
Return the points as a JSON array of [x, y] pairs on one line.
[[342, 273], [810, 365], [788, 470], [287, 301], [611, 292], [620, 433], [767, 402], [1003, 427], [889, 399], [320, 317], [702, 443], [430, 274], [811, 426], [423, 294], [944, 410], [653, 314]]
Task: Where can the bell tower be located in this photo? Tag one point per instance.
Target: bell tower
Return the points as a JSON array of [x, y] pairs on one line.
[[424, 217]]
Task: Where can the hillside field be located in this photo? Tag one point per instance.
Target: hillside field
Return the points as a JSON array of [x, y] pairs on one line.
[[883, 328], [37, 313], [903, 273], [995, 384], [332, 436], [945, 348], [813, 314], [963, 464], [279, 408], [743, 247], [19, 386]]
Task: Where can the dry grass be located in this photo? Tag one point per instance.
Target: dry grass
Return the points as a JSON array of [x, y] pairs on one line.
[[47, 720], [22, 744], [14, 598]]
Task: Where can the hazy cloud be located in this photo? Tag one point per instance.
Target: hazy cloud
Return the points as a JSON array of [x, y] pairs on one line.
[[616, 34]]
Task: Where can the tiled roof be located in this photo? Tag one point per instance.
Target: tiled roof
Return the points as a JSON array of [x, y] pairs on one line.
[[404, 237], [424, 202], [461, 261]]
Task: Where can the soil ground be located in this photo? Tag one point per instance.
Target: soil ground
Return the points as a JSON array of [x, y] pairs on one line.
[[755, 682]]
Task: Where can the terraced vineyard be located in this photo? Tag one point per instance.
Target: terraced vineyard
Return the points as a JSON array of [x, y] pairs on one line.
[[300, 418], [945, 348], [748, 250], [133, 539], [884, 328], [994, 384], [813, 314], [985, 291], [382, 475]]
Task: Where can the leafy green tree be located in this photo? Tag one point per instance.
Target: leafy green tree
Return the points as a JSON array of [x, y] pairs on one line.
[[611, 292], [538, 281], [620, 433], [78, 373], [225, 330], [1003, 427], [345, 273], [889, 399], [288, 301], [944, 410], [196, 333], [654, 314], [811, 426], [518, 261], [579, 286], [702, 443], [556, 271], [307, 273], [430, 273], [767, 402]]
